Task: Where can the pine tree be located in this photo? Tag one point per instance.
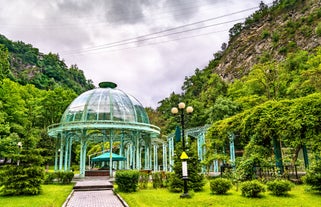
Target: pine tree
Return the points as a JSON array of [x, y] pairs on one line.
[[24, 175], [195, 178]]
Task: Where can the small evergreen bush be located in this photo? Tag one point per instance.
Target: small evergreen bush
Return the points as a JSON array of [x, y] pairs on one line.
[[175, 183], [127, 180], [220, 185], [252, 189], [279, 187], [20, 180]]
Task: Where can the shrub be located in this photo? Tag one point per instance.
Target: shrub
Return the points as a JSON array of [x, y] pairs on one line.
[[318, 30], [265, 34], [279, 187], [49, 178], [220, 185], [157, 180], [21, 180], [143, 180], [313, 176], [60, 177], [65, 177], [252, 188], [127, 180], [175, 183]]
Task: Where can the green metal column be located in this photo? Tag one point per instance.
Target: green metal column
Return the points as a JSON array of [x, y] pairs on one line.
[[215, 163], [232, 149], [147, 156], [83, 147], [137, 152], [69, 156], [164, 157], [110, 154], [140, 157], [127, 156], [278, 155], [200, 149], [61, 154], [66, 153], [155, 158], [132, 155], [121, 150], [171, 153], [81, 170], [305, 156], [150, 158], [56, 154]]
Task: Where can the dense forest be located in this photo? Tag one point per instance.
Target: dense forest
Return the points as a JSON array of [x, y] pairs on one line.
[[264, 84]]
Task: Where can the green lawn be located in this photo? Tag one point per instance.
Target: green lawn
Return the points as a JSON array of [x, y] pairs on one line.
[[51, 196], [298, 196]]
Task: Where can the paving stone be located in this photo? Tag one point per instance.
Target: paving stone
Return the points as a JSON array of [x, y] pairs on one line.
[[103, 198]]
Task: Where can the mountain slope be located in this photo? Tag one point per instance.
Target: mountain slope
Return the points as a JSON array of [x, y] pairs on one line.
[[45, 71], [271, 33]]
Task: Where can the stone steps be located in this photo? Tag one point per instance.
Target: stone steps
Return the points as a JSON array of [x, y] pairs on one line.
[[93, 185]]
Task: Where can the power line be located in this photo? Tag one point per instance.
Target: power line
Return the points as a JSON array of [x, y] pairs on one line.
[[140, 38], [154, 43]]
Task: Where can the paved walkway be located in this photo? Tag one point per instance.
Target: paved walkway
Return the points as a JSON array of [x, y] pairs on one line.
[[93, 196]]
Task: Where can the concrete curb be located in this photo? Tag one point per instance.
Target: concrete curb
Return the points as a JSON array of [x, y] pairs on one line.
[[68, 198], [121, 199]]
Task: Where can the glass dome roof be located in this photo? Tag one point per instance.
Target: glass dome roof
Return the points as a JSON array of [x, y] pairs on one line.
[[105, 104]]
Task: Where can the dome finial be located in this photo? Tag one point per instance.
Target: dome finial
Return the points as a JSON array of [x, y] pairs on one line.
[[107, 85]]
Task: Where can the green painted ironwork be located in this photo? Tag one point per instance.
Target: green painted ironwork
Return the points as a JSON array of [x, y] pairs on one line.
[[305, 156], [101, 115], [232, 149], [278, 155]]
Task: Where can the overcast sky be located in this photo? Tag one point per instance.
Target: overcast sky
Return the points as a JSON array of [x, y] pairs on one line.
[[147, 47]]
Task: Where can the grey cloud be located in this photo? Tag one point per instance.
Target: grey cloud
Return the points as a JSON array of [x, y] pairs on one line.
[[125, 12], [74, 7]]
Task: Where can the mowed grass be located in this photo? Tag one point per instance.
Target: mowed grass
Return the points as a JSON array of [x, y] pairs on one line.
[[51, 196], [298, 196]]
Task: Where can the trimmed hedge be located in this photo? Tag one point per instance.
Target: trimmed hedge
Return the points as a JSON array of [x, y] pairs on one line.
[[158, 179], [279, 187], [252, 189], [220, 185], [143, 180], [127, 180], [58, 177]]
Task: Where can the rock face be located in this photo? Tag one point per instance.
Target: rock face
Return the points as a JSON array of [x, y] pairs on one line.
[[278, 31]]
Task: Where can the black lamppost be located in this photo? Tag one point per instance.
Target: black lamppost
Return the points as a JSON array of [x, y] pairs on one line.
[[20, 147], [184, 157]]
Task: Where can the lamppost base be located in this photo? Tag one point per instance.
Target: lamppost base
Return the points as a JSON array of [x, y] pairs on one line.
[[185, 195]]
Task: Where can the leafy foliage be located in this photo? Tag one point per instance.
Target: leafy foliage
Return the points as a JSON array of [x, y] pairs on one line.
[[58, 177], [220, 185], [252, 189], [279, 187], [313, 176], [45, 71], [127, 180]]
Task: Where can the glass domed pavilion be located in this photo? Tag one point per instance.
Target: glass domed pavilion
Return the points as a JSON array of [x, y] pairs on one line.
[[106, 114]]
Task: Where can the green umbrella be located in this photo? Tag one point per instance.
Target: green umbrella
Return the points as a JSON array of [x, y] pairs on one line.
[[106, 157]]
